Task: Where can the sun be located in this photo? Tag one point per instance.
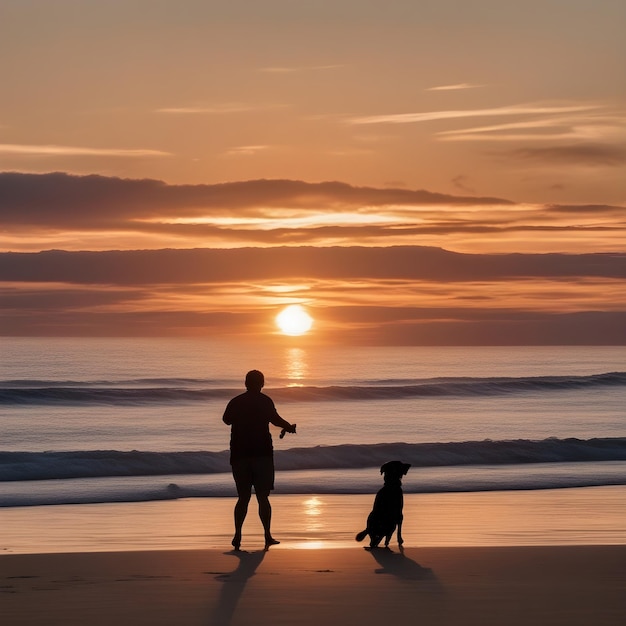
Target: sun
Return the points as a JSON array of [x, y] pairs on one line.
[[294, 320]]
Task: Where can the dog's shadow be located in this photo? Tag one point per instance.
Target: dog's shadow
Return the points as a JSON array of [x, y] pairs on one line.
[[399, 565]]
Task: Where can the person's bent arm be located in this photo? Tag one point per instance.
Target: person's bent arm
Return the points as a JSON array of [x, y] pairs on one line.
[[277, 420]]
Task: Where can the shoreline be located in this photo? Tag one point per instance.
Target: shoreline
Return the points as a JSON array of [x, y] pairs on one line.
[[574, 516]]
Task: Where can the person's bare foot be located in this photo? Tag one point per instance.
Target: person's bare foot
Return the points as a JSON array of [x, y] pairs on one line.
[[270, 541], [236, 542]]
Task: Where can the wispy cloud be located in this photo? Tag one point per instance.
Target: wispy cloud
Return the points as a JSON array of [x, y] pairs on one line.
[[578, 125], [453, 87], [218, 109], [204, 110], [429, 116], [461, 183], [486, 132], [246, 150], [53, 150], [583, 154], [285, 69]]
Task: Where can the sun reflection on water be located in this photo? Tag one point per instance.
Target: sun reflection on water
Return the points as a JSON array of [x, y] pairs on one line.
[[311, 545], [296, 366], [313, 511]]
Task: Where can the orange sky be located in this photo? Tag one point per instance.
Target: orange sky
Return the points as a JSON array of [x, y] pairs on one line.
[[354, 138]]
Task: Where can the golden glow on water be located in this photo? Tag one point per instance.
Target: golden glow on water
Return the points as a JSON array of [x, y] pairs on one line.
[[312, 511], [578, 516], [311, 545], [296, 366]]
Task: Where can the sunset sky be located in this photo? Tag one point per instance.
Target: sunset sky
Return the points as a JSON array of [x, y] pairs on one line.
[[411, 171]]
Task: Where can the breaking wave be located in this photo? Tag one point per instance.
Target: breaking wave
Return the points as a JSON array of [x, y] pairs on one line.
[[151, 391], [25, 466]]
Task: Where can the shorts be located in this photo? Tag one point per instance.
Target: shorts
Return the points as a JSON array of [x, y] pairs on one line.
[[255, 471]]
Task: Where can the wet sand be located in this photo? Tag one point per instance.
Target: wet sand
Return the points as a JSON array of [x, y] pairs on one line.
[[587, 516], [552, 557]]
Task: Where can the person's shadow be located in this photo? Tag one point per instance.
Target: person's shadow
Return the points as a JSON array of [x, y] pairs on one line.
[[234, 585], [400, 565]]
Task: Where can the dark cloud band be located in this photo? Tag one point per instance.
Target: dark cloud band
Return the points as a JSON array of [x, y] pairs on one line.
[[145, 267]]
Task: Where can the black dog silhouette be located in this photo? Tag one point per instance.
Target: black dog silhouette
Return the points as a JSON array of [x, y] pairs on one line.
[[386, 514]]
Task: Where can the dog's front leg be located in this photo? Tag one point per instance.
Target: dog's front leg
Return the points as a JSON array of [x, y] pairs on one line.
[[400, 540]]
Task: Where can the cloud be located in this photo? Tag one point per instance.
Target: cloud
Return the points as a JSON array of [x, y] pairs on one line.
[[207, 110], [584, 126], [460, 182], [219, 109], [548, 129], [587, 209], [576, 154], [429, 116], [495, 328], [453, 87], [246, 150], [130, 323], [279, 70], [286, 69], [269, 234], [57, 210], [53, 150], [63, 200], [377, 326], [149, 267], [48, 298], [400, 295]]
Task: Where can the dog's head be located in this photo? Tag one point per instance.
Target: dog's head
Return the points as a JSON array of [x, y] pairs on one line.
[[394, 470]]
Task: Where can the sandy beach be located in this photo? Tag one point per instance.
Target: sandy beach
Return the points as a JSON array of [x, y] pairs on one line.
[[579, 585], [490, 558]]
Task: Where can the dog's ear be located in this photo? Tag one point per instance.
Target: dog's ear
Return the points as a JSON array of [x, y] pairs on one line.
[[385, 466], [396, 466]]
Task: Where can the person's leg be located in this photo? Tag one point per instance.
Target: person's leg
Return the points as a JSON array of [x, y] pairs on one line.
[[263, 485], [241, 510], [242, 474], [265, 515]]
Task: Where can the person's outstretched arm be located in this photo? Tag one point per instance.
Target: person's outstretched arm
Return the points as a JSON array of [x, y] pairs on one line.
[[277, 420]]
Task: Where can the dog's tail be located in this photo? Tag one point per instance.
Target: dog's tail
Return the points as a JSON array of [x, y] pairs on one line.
[[361, 535]]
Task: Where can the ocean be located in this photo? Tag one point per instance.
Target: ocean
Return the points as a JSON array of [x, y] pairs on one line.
[[129, 420]]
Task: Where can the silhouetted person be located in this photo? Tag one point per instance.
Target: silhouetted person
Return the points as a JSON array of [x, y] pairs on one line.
[[251, 452]]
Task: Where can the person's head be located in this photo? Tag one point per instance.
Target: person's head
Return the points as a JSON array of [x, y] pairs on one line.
[[255, 380]]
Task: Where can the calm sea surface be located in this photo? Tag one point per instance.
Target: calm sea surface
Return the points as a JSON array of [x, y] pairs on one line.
[[103, 420]]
